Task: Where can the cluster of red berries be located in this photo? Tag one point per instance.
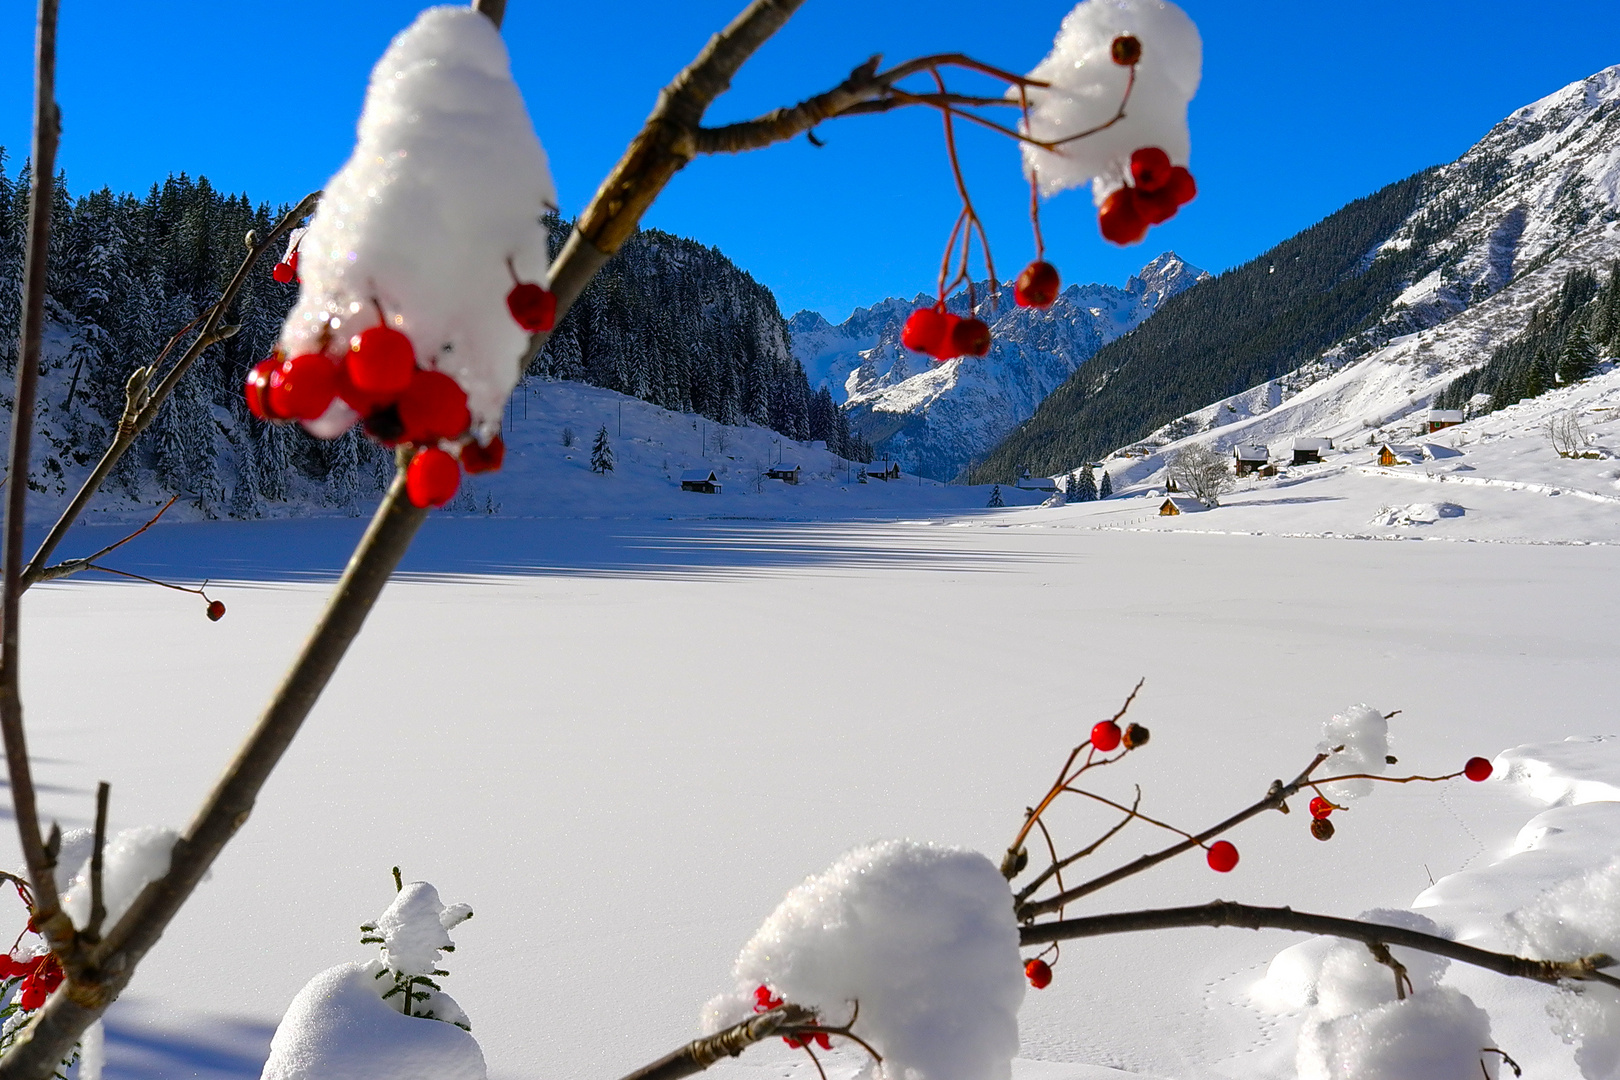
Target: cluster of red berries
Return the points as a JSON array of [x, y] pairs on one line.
[[1108, 737], [1039, 973], [764, 1001], [397, 401], [1321, 827], [945, 336], [39, 974], [1158, 189]]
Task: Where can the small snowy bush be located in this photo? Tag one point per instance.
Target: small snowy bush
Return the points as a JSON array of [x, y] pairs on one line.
[[921, 937], [1087, 86], [365, 1021]]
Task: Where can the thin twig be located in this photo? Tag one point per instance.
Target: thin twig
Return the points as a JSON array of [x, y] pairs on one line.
[[98, 905], [1274, 798], [699, 1054], [1063, 864], [74, 566], [1227, 913]]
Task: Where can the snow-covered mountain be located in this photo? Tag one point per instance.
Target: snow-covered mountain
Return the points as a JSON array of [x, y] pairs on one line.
[[1484, 241], [941, 416], [1536, 198]]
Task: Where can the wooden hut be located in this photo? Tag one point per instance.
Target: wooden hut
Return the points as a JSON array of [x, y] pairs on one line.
[[1248, 459], [703, 480], [1180, 504], [1309, 451], [788, 474], [1444, 418]]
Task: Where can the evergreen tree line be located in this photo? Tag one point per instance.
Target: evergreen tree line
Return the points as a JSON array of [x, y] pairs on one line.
[[1559, 346], [1224, 335], [676, 323], [127, 273]]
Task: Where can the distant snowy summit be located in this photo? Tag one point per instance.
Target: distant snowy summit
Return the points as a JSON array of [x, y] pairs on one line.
[[940, 417]]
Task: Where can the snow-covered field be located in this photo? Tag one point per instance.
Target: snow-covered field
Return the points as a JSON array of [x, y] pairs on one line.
[[622, 739]]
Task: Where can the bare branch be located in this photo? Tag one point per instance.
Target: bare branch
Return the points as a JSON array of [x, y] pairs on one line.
[[1227, 913], [699, 1054], [48, 917], [1273, 799], [141, 405], [74, 566]]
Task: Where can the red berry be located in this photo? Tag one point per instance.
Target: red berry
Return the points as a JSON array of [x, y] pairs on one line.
[[1037, 286], [303, 386], [945, 349], [1180, 186], [434, 407], [924, 330], [763, 1001], [1106, 736], [1126, 49], [381, 362], [1222, 856], [970, 337], [1156, 207], [1477, 769], [283, 272], [432, 478], [1121, 221], [533, 308], [1320, 807], [483, 458], [216, 610], [354, 397], [1150, 168], [1039, 973], [257, 389]]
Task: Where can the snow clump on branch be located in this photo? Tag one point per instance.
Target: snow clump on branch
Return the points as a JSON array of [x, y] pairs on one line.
[[446, 187], [1088, 85], [921, 937], [131, 859], [1358, 742]]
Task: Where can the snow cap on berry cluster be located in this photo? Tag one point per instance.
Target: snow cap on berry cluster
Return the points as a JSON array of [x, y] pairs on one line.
[[1363, 732], [446, 184], [922, 937], [416, 928], [1087, 87]]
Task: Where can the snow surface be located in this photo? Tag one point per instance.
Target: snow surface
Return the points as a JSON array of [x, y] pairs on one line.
[[447, 182], [920, 938], [1087, 88]]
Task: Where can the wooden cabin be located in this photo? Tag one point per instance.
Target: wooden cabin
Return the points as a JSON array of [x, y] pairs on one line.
[[1248, 459], [1310, 451], [1037, 483], [1180, 504], [1444, 418], [889, 470], [788, 474], [703, 480], [1390, 455]]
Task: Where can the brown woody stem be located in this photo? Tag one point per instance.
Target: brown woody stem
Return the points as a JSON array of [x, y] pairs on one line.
[[1228, 913]]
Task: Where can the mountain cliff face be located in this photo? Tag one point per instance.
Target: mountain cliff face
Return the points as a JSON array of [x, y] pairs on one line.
[[1382, 303], [940, 417]]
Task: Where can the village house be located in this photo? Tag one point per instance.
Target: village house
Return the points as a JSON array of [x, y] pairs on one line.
[[1037, 483], [1310, 451], [1390, 454], [703, 480], [889, 470], [788, 474], [1248, 459], [1180, 504], [1444, 418]]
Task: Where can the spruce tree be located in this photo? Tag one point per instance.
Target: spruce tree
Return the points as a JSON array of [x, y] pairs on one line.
[[1578, 359], [1082, 485], [602, 453], [995, 497], [1107, 487], [1539, 379]]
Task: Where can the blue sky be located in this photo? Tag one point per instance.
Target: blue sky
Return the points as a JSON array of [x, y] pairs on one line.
[[1304, 107]]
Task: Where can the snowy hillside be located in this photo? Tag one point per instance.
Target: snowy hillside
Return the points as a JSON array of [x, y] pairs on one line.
[[1535, 199], [942, 416]]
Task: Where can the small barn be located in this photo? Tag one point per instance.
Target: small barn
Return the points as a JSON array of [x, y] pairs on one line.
[[1310, 451], [1389, 454], [889, 470], [1180, 504], [1037, 483], [703, 480], [1444, 418], [788, 474], [1248, 459]]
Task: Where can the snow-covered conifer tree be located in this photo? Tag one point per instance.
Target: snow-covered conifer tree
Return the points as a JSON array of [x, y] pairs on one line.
[[601, 452]]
